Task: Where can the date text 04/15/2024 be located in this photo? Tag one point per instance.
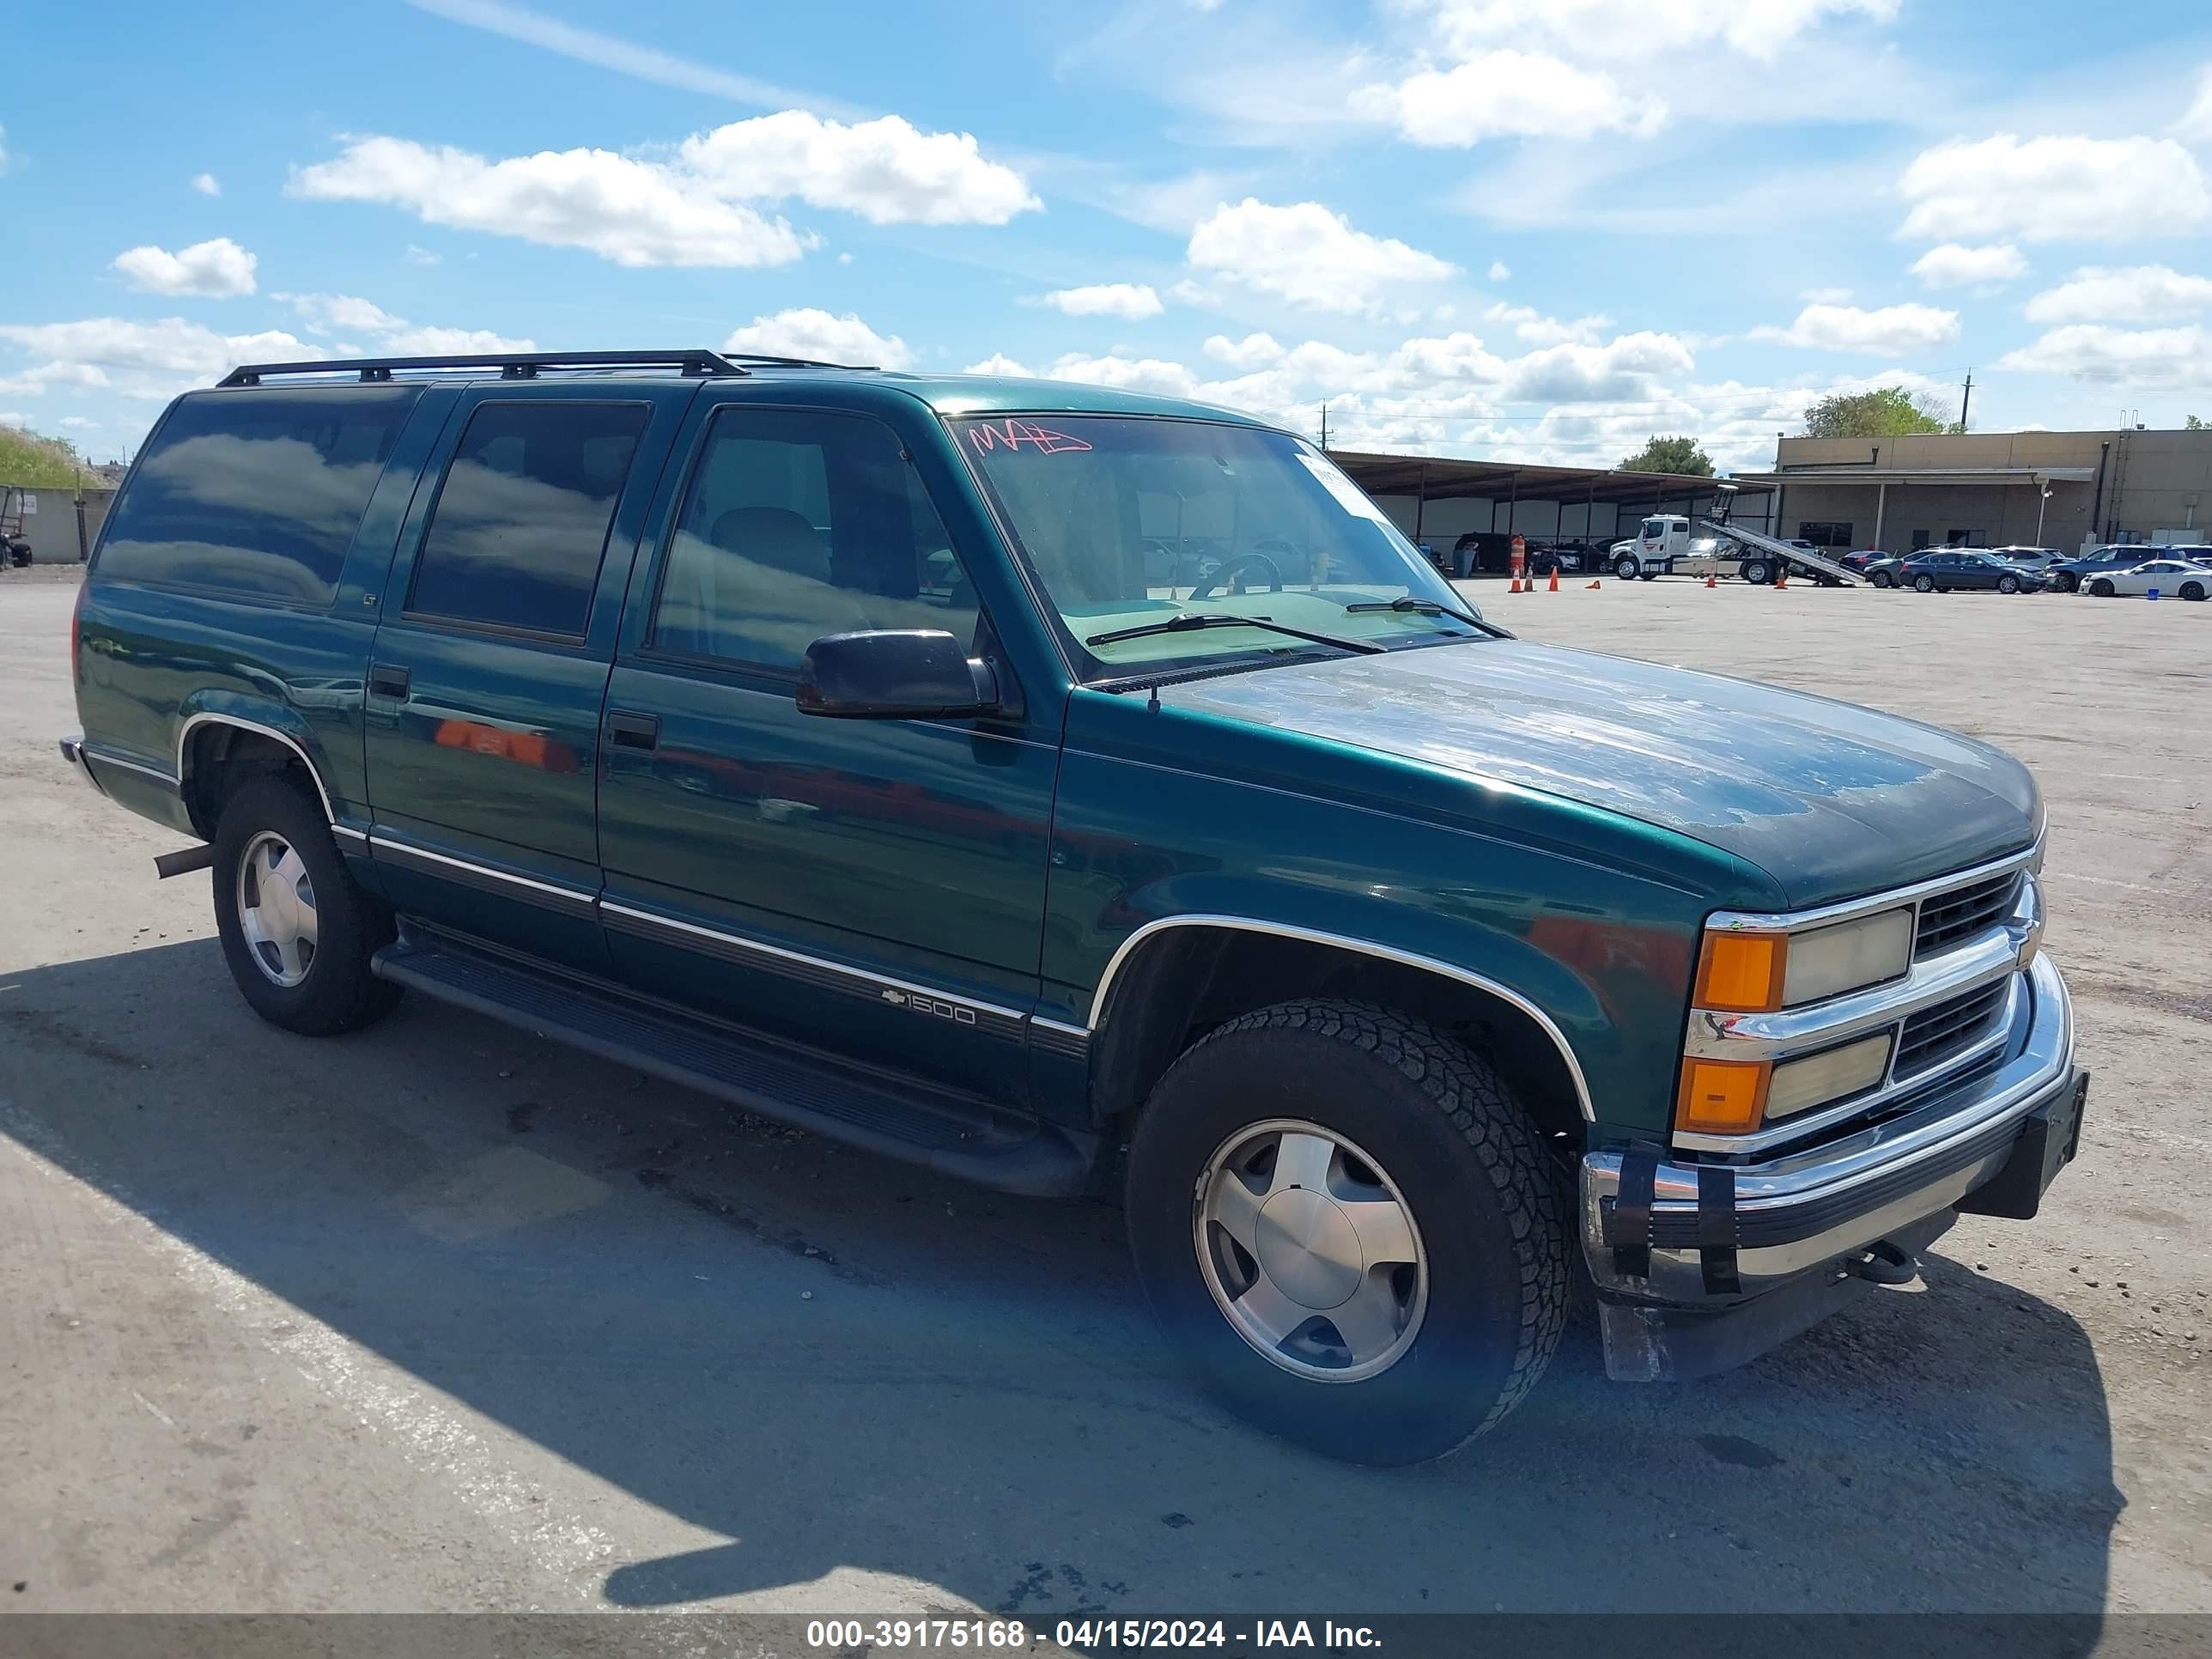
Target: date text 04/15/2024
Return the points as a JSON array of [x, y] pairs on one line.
[[1012, 1635]]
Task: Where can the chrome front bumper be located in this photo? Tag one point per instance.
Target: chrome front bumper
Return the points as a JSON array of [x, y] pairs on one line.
[[1769, 1225]]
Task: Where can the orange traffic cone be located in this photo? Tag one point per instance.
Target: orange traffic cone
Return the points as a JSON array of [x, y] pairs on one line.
[[1595, 585], [1554, 587], [1710, 581], [1781, 579]]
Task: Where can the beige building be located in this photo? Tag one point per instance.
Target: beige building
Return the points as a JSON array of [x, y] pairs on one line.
[[1987, 490]]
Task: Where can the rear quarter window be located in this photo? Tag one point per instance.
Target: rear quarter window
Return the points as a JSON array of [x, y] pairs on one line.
[[255, 492]]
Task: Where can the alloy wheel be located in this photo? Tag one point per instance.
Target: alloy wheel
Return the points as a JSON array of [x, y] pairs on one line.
[[276, 909], [1310, 1251]]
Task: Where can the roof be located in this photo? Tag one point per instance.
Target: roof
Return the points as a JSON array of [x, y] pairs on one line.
[[1845, 473], [1441, 478]]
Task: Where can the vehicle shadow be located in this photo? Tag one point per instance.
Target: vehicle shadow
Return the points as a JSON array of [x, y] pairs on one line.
[[835, 1364]]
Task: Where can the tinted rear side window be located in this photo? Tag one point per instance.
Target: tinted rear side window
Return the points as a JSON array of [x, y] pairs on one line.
[[256, 492], [521, 523]]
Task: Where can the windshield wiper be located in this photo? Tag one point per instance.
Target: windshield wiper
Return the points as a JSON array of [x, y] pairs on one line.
[[1186, 623], [1407, 603]]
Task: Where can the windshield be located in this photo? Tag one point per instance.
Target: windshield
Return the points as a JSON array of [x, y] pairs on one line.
[[1130, 522]]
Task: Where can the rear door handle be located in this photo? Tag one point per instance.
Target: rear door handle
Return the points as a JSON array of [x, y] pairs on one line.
[[387, 679], [629, 730]]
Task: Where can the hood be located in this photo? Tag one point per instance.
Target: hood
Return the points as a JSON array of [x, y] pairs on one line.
[[1831, 800]]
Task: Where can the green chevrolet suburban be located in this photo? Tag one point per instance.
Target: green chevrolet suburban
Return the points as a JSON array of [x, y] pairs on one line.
[[1073, 791]]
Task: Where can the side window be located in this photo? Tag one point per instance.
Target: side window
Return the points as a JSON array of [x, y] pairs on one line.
[[256, 492], [796, 524], [520, 525]]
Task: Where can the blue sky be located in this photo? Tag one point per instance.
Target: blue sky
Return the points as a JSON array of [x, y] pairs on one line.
[[1534, 229]]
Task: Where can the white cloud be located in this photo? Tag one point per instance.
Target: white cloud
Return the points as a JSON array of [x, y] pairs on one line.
[[1308, 256], [2054, 189], [325, 311], [1886, 331], [34, 381], [79, 422], [1636, 28], [1508, 94], [1825, 296], [1955, 265], [1532, 327], [1253, 351], [1499, 270], [170, 345], [885, 170], [631, 212], [422, 256], [214, 270], [207, 184], [1153, 374], [2137, 293], [2194, 126], [1133, 302], [2136, 357], [805, 331], [999, 364]]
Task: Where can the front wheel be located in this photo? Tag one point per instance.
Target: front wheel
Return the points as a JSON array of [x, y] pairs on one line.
[[1346, 1225], [2102, 589], [2066, 581], [297, 931], [1627, 567], [2008, 584], [1882, 579], [1923, 584]]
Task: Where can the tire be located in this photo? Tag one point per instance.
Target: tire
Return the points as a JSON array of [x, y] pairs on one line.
[[2065, 582], [1758, 572], [2192, 589], [1627, 567], [333, 990], [2103, 589], [1882, 579], [2008, 584], [1923, 584], [1649, 577], [1443, 1136]]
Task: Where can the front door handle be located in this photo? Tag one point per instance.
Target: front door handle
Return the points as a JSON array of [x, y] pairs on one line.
[[628, 730], [387, 679]]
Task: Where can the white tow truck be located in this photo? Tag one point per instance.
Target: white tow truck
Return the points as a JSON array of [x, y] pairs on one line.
[[1670, 544]]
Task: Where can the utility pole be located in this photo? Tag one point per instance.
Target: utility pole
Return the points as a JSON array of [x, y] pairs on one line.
[[1966, 401], [1324, 427]]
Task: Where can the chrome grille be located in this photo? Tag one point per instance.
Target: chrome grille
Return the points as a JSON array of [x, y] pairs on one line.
[[1965, 911], [1948, 1028]]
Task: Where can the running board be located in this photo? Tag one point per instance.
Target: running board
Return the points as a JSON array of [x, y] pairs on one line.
[[952, 1134]]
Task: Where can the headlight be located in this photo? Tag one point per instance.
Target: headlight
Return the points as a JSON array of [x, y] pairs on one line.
[[1850, 956]]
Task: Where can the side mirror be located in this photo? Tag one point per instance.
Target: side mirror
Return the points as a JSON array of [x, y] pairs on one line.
[[895, 673]]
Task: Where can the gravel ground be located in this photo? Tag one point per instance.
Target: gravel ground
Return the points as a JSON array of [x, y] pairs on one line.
[[442, 1316]]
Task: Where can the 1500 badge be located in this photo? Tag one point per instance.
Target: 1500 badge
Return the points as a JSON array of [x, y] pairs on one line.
[[937, 1005]]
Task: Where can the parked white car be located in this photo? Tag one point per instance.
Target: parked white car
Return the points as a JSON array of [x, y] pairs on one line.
[[2175, 577]]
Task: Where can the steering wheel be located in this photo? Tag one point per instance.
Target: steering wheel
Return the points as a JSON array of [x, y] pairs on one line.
[[1232, 569]]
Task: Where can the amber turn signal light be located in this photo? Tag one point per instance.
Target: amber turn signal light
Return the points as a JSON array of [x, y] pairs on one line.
[[1741, 973], [1722, 1096]]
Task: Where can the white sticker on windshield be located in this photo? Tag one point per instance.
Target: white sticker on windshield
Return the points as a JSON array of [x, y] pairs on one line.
[[1349, 495]]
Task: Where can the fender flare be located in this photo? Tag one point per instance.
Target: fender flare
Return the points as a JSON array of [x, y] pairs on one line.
[[220, 717], [1128, 947]]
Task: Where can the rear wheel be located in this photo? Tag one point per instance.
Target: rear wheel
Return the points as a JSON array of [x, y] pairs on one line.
[[2192, 589], [1758, 572], [1346, 1225], [2102, 588], [297, 931]]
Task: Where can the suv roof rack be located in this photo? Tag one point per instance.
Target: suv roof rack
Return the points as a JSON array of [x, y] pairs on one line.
[[525, 365]]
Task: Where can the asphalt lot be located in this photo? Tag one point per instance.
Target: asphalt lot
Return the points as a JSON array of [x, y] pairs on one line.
[[443, 1316]]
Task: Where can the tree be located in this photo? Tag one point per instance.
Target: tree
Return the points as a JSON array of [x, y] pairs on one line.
[[2197, 424], [1888, 411], [1670, 455]]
